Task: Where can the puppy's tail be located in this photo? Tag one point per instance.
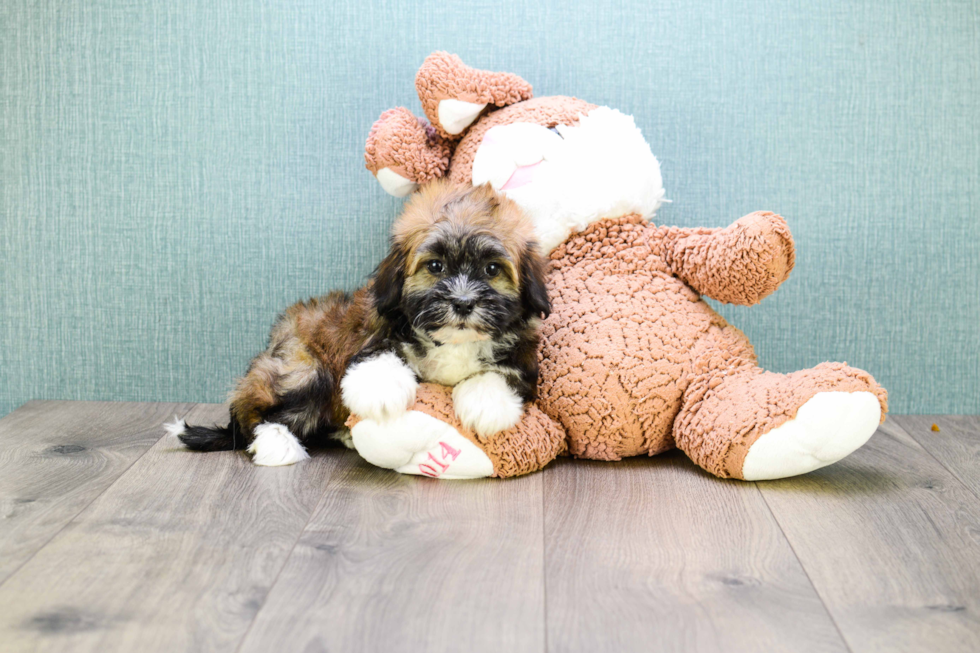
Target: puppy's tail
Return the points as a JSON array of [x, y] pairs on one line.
[[202, 438]]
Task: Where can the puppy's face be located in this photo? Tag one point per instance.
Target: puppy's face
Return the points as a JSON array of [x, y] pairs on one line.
[[463, 266], [463, 286]]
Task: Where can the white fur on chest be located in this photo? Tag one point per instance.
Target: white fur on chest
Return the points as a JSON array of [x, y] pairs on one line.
[[450, 363]]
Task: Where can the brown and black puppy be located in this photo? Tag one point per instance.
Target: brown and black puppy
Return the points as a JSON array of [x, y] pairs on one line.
[[457, 301]]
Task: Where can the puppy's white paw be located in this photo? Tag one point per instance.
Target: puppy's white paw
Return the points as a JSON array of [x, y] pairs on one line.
[[486, 404], [274, 446], [380, 388]]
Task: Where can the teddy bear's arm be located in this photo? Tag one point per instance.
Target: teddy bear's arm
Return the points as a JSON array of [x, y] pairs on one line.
[[739, 264]]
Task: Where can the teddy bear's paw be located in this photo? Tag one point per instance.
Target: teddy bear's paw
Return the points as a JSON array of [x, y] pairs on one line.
[[380, 388], [828, 427], [486, 405], [417, 443]]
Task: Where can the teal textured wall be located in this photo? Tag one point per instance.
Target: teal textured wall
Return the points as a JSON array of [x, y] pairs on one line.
[[173, 173]]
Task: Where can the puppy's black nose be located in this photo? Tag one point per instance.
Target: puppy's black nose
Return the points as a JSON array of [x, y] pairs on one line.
[[463, 305]]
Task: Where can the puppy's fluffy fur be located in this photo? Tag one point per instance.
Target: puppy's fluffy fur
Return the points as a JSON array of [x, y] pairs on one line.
[[457, 301]]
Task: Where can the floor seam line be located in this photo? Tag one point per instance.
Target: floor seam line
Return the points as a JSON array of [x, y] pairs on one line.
[[544, 561], [89, 504], [806, 573], [285, 562]]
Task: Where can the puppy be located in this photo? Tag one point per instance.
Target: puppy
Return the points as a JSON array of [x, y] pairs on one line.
[[457, 301]]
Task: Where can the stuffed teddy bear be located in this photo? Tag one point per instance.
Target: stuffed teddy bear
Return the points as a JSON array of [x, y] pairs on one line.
[[633, 361]]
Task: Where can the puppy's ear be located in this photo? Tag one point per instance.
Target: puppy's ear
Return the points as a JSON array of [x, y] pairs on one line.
[[534, 292], [388, 281]]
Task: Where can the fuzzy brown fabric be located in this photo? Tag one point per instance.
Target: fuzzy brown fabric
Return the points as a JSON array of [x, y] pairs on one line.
[[630, 350], [762, 257]]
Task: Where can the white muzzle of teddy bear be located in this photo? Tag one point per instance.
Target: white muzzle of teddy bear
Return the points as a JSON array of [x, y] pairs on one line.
[[600, 168]]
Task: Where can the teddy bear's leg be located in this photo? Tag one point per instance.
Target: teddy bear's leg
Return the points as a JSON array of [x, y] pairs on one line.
[[420, 444], [429, 440], [754, 425]]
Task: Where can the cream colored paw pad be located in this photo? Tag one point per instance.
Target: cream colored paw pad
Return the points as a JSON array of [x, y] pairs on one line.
[[828, 427]]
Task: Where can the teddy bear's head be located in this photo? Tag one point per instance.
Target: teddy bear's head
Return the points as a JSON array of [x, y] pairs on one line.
[[568, 163]]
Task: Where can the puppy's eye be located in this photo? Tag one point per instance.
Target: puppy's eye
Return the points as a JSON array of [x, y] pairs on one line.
[[492, 270], [434, 267]]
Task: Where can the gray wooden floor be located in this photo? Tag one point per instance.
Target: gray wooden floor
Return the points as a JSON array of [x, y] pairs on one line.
[[112, 538]]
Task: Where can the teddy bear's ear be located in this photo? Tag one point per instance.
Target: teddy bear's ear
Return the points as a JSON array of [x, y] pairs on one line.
[[453, 94], [403, 151]]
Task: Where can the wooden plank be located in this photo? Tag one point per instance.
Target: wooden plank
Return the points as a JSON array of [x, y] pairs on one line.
[[57, 456], [177, 555], [956, 444], [654, 554], [400, 563], [891, 541]]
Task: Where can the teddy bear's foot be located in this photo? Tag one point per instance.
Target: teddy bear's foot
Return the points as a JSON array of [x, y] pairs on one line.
[[826, 428], [416, 443], [754, 425]]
